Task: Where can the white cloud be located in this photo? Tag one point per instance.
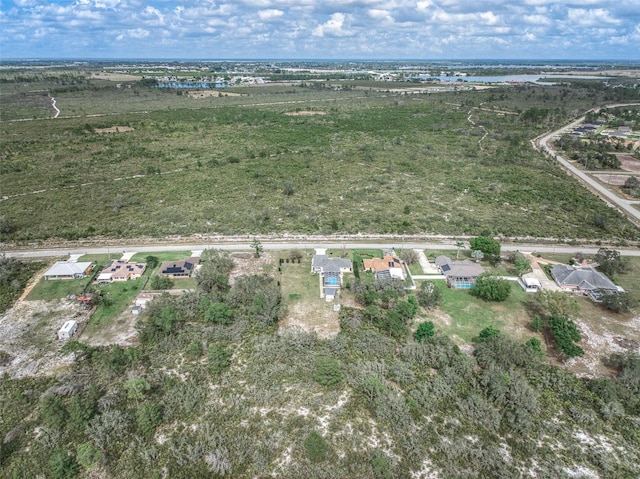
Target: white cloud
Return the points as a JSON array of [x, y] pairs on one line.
[[137, 33], [593, 17], [332, 27], [270, 14]]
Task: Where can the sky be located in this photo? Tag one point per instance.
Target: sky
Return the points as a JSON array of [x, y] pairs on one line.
[[320, 29]]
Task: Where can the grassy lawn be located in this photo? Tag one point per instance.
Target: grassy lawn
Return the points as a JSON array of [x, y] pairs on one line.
[[101, 259], [56, 289], [368, 253], [465, 315], [121, 295], [415, 268], [162, 256]]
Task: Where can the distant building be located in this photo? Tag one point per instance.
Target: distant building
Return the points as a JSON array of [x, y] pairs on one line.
[[69, 270], [459, 274]]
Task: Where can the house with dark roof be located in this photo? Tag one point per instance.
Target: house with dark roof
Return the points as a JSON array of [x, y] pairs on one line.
[[331, 271], [459, 274], [586, 281], [389, 267], [179, 269]]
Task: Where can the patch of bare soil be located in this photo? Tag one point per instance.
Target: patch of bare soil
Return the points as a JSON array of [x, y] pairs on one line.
[[113, 129], [629, 163], [120, 331], [115, 76], [199, 94], [29, 341], [305, 113], [317, 316], [248, 264], [601, 338], [616, 180]]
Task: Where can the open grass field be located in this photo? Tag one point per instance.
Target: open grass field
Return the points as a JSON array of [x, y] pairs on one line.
[[375, 163], [56, 289], [464, 315]]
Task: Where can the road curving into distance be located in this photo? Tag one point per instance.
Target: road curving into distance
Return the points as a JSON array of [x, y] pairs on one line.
[[623, 205]]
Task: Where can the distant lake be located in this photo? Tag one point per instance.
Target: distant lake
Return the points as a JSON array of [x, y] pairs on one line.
[[511, 78], [175, 84]]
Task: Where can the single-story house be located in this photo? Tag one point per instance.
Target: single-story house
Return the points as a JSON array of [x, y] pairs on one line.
[[179, 269], [587, 281], [67, 330], [387, 267], [69, 270], [121, 270], [459, 274], [331, 271]]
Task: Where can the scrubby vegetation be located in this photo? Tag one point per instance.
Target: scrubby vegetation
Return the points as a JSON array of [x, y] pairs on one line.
[[14, 275], [240, 165]]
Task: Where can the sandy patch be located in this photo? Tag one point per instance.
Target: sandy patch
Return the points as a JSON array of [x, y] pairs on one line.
[[617, 180], [248, 264], [113, 129], [629, 163], [312, 316], [29, 336], [305, 113], [601, 339], [120, 330]]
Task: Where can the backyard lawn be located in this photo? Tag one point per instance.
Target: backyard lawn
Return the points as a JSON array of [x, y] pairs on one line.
[[48, 289], [465, 315]]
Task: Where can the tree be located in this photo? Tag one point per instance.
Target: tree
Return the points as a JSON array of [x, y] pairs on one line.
[[537, 324], [218, 358], [488, 332], [611, 263], [257, 246], [425, 330], [429, 295], [62, 465], [212, 277], [136, 387], [459, 246], [316, 447], [521, 265], [620, 302], [477, 255], [327, 371], [552, 303], [219, 313], [488, 246], [565, 335], [409, 256], [491, 288], [161, 282], [148, 417], [152, 261]]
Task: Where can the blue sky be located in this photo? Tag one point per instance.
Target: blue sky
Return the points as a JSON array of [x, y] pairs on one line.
[[321, 29]]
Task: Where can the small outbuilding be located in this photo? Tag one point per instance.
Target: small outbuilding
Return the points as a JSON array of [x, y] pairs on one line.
[[67, 330]]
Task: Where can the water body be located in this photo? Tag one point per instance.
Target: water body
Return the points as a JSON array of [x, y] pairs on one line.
[[174, 84], [540, 79]]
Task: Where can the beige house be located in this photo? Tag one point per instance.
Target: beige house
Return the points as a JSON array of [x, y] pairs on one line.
[[121, 270]]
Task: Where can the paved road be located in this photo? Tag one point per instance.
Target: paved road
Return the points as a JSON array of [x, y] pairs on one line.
[[286, 245], [624, 205]]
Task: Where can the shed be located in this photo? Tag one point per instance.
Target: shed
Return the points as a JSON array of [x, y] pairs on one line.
[[67, 330]]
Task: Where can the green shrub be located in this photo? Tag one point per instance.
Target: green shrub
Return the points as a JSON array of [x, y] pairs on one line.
[[316, 447], [327, 371], [425, 330]]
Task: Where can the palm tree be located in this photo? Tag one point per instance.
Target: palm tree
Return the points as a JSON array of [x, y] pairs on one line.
[[459, 244]]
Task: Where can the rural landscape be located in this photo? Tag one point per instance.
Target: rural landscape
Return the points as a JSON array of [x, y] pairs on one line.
[[319, 269]]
